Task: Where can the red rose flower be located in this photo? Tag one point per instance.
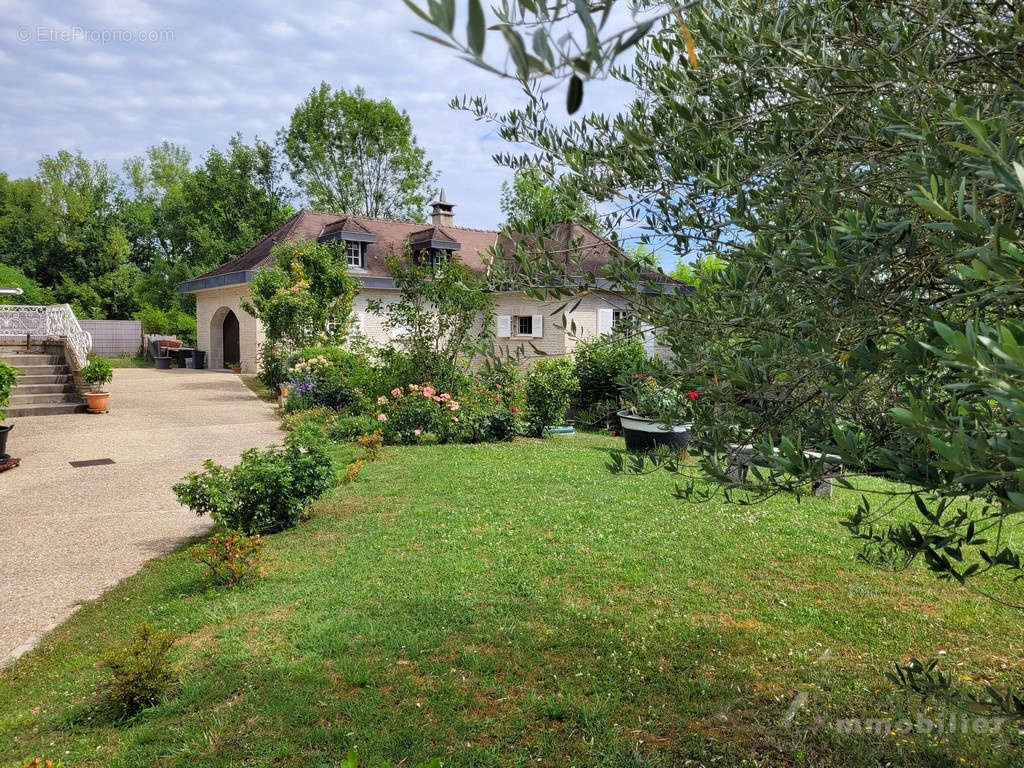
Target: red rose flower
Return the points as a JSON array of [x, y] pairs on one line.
[[692, 395]]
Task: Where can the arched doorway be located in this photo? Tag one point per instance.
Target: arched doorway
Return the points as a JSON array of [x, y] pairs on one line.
[[224, 343], [231, 354]]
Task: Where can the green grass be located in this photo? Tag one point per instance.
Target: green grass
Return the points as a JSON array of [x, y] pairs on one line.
[[516, 605], [128, 361], [261, 390]]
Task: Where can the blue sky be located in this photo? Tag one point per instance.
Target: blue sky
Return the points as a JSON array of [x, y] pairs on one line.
[[111, 77]]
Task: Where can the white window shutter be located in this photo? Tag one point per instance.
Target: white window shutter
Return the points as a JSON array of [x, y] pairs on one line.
[[604, 320], [504, 326], [538, 326]]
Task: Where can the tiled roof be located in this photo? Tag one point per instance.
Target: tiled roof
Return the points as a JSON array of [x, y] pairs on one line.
[[582, 248]]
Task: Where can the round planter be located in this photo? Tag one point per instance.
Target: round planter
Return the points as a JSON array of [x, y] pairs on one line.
[[162, 363], [4, 431], [236, 369], [97, 402], [644, 434]]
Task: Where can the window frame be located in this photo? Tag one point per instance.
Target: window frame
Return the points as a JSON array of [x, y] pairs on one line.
[[360, 248], [517, 326]]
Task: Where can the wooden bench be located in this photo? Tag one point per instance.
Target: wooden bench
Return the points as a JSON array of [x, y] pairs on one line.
[[742, 457]]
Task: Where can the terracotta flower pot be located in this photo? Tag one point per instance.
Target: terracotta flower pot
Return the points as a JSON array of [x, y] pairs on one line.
[[97, 402], [236, 369]]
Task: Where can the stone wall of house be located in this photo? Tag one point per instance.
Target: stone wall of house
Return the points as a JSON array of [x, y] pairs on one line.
[[211, 307]]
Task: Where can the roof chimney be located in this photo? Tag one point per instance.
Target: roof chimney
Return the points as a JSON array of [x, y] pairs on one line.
[[441, 212]]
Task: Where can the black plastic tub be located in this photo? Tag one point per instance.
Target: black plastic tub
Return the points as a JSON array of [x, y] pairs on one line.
[[646, 434]]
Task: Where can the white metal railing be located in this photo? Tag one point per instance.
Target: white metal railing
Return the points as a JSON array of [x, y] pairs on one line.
[[54, 323]]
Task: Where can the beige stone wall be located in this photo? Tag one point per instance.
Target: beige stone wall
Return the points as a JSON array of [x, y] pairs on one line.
[[558, 338], [211, 306]]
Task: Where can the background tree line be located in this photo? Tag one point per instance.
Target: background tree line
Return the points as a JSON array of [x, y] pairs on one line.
[[117, 244]]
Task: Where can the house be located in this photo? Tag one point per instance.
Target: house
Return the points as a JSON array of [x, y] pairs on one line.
[[229, 334]]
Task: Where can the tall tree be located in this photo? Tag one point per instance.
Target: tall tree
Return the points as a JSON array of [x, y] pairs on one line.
[[858, 167], [533, 203], [353, 154]]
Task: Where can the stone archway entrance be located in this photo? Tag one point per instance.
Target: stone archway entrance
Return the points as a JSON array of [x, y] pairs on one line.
[[224, 343]]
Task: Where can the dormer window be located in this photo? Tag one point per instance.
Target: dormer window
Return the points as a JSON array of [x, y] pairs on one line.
[[433, 246], [435, 257], [355, 254], [351, 238]]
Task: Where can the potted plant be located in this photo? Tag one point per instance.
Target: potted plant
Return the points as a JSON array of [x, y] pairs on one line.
[[97, 373], [8, 376], [235, 367], [655, 415]]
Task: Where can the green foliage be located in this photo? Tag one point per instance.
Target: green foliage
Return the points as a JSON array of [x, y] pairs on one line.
[[533, 203], [140, 672], [32, 293], [306, 298], [667, 405], [310, 425], [265, 492], [231, 558], [170, 322], [549, 388], [328, 377], [348, 152], [867, 200], [8, 378], [97, 372], [347, 428], [601, 364], [442, 317]]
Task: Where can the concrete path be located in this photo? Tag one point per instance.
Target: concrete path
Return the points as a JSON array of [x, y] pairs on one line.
[[66, 533]]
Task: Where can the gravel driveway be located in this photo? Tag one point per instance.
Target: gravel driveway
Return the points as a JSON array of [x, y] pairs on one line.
[[67, 533]]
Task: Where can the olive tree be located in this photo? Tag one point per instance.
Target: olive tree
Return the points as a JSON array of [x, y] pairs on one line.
[[856, 170]]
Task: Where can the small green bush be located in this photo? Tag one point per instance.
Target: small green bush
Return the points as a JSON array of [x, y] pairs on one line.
[[549, 386], [312, 425], [141, 673], [231, 558], [349, 427], [265, 492], [600, 363]]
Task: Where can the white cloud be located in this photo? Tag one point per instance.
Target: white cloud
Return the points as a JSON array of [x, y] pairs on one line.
[[243, 67]]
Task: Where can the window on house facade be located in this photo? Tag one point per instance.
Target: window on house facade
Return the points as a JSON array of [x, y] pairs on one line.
[[523, 325], [623, 320], [354, 254]]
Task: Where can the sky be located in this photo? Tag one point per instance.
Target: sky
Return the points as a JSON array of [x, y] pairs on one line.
[[112, 77]]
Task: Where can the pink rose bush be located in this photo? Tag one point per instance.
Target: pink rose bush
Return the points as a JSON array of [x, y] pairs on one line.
[[419, 412]]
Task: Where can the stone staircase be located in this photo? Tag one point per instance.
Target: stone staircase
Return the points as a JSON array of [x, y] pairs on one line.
[[45, 386]]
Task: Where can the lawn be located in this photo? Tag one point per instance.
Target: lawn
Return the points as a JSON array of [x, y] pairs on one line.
[[516, 605], [129, 361]]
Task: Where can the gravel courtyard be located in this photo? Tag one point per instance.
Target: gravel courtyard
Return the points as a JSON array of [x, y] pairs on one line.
[[68, 533]]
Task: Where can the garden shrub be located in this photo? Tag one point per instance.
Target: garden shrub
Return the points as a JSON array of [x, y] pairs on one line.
[[273, 365], [265, 492], [141, 673], [549, 386], [600, 363], [325, 376], [373, 444], [231, 558], [349, 427], [314, 424], [352, 471]]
